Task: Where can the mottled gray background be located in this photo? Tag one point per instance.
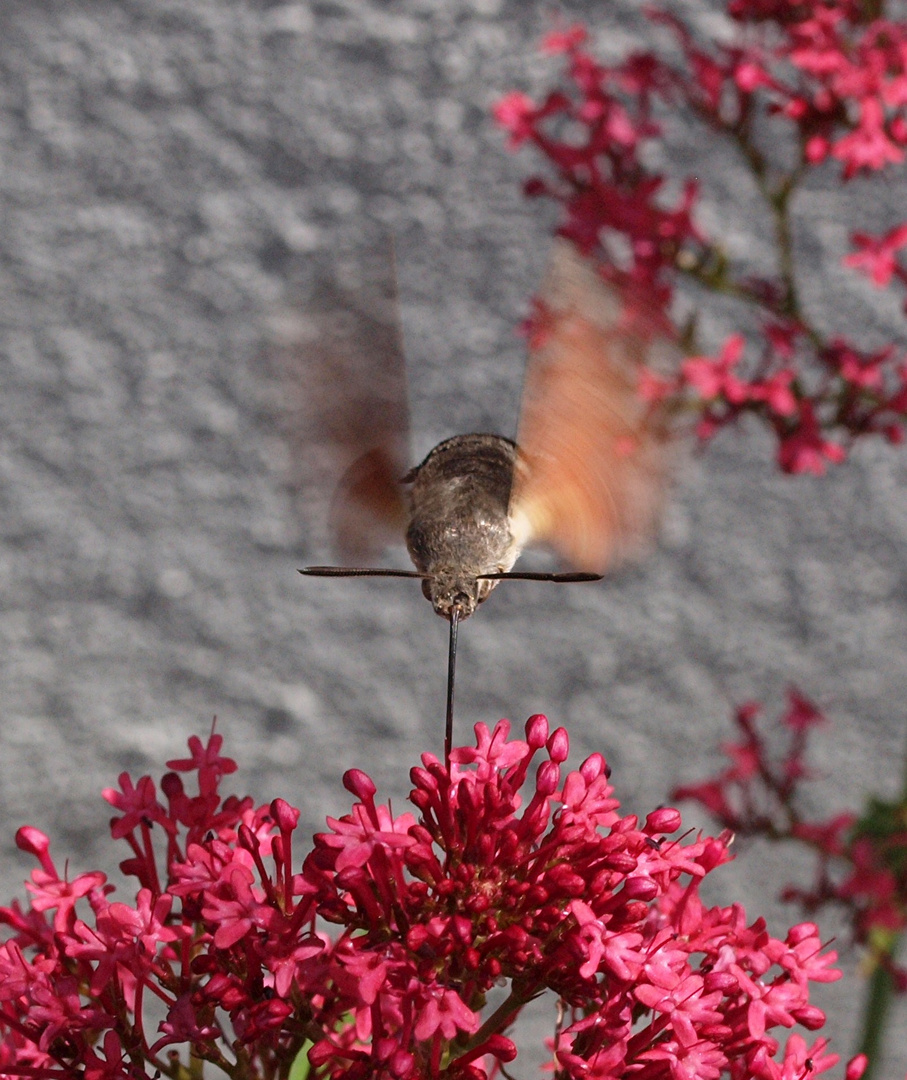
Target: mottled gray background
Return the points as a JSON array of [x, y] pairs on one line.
[[171, 171]]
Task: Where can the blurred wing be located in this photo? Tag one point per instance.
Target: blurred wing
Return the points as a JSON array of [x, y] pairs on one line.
[[345, 404], [368, 511], [593, 453]]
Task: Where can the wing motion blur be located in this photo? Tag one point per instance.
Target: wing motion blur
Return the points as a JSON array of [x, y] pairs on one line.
[[346, 404], [593, 455], [591, 458], [586, 475]]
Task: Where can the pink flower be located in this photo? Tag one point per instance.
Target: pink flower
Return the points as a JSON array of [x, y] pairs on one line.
[[701, 1061], [776, 392], [517, 114], [109, 1067], [829, 836], [206, 760], [50, 894], [492, 751], [713, 377], [877, 255], [183, 1025], [236, 907], [359, 835], [565, 41], [805, 449], [684, 1004], [802, 715], [138, 803], [446, 1014], [504, 875], [869, 146]]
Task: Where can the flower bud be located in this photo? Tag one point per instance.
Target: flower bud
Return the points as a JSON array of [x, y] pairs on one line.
[[663, 820], [416, 937], [321, 1052], [566, 880], [462, 928], [36, 843], [801, 932], [720, 980], [640, 888], [247, 839], [172, 785], [592, 768], [286, 816], [401, 1065], [547, 778], [856, 1067], [537, 730], [359, 784], [504, 1049], [810, 1016], [559, 745], [32, 840]]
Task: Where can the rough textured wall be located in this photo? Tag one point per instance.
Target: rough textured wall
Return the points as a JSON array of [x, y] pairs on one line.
[[171, 172]]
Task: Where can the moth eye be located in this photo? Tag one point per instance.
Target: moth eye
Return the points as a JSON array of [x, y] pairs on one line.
[[426, 588]]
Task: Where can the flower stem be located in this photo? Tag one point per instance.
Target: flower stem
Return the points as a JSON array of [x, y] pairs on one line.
[[875, 1013], [881, 986], [503, 1015]]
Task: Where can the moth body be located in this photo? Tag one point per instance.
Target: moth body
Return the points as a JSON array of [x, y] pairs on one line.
[[459, 522], [588, 476]]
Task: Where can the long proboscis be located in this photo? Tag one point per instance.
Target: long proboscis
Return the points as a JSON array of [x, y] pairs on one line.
[[451, 668], [523, 575]]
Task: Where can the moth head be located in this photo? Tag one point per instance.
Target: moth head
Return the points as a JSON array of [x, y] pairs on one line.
[[450, 589]]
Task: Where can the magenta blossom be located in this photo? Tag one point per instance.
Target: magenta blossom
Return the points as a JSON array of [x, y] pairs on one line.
[[827, 82], [508, 874]]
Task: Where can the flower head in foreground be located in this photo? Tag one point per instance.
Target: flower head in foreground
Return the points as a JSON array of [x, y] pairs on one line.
[[513, 873]]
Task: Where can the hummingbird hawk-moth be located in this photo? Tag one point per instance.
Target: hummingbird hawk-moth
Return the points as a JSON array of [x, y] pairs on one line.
[[585, 476]]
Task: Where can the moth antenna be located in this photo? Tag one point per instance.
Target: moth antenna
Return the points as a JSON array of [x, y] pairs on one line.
[[529, 575], [358, 571], [451, 667]]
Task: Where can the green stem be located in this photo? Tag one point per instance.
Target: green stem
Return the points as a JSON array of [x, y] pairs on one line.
[[904, 780], [779, 201], [875, 1013], [881, 987], [777, 196], [777, 193]]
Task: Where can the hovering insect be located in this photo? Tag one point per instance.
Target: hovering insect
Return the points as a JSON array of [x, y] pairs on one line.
[[586, 475]]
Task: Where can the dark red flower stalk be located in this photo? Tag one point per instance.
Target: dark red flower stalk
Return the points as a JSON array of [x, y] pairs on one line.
[[509, 875], [800, 85]]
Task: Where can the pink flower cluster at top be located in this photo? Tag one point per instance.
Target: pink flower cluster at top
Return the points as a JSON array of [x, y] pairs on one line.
[[861, 863], [822, 81], [498, 880]]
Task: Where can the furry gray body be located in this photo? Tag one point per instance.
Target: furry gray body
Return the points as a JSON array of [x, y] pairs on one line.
[[459, 525]]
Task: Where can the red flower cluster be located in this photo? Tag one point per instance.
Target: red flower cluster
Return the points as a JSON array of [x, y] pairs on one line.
[[497, 881], [801, 84], [861, 862]]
